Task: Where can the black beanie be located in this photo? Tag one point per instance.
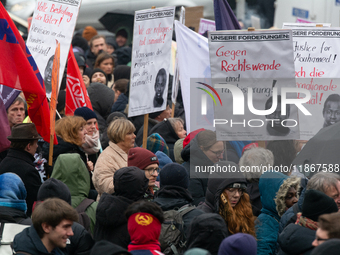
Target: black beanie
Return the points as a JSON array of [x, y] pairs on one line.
[[96, 70], [54, 188], [317, 203], [174, 174], [329, 247]]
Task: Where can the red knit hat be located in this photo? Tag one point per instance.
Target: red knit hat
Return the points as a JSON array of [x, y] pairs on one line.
[[141, 158], [191, 136]]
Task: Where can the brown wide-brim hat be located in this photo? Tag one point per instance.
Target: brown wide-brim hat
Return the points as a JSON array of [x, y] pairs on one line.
[[24, 131]]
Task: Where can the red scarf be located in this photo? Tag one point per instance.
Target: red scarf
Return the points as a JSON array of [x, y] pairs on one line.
[[144, 230], [306, 222]]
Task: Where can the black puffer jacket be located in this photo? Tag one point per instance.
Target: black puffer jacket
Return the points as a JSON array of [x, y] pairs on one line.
[[207, 231], [295, 240], [130, 185], [174, 197], [255, 197]]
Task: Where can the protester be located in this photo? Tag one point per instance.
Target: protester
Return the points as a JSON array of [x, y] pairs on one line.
[[13, 205], [121, 37], [257, 160], [20, 158], [70, 170], [331, 247], [121, 72], [178, 125], [155, 143], [144, 226], [115, 156], [120, 88], [101, 98], [328, 228], [178, 150], [97, 44], [274, 187], [92, 143], [240, 244], [204, 150], [207, 231], [174, 194], [226, 195], [104, 139], [89, 32], [52, 225], [130, 185], [111, 44], [81, 242], [121, 101], [327, 183], [147, 161], [98, 75], [16, 111], [105, 62], [163, 160], [297, 238]]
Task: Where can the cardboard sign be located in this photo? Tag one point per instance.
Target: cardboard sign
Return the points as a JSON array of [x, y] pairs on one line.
[[52, 20], [251, 73], [150, 63]]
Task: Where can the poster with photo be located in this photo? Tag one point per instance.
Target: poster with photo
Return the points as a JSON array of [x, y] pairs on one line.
[[316, 59], [151, 53], [53, 21], [253, 85]]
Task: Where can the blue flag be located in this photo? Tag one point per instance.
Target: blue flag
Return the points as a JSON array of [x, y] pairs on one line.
[[224, 16]]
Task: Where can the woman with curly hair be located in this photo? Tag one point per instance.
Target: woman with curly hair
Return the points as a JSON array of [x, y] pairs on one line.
[[226, 195]]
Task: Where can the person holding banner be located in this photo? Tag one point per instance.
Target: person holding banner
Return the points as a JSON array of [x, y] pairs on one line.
[[114, 157]]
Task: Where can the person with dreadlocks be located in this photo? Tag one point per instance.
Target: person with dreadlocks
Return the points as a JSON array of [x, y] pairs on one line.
[[226, 195]]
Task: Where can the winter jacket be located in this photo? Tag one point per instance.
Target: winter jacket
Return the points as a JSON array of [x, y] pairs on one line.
[[70, 169], [12, 215], [81, 242], [29, 241], [291, 212], [107, 248], [273, 189], [207, 231], [130, 185], [139, 136], [296, 240], [193, 155], [120, 104], [255, 197], [101, 98], [174, 197], [215, 188], [20, 162], [109, 161]]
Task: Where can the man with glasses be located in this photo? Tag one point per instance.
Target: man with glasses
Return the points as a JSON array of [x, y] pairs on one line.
[[147, 161], [328, 228]]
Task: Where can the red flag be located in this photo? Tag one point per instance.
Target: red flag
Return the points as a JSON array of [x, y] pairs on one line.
[[18, 70], [76, 93]]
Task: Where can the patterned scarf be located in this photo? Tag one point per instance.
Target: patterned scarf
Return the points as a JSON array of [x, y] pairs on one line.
[[306, 222], [91, 145]]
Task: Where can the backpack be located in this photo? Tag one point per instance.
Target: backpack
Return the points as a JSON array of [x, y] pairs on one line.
[[7, 233], [172, 238], [83, 218]]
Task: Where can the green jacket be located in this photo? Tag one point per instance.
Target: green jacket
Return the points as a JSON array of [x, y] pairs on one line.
[[71, 170]]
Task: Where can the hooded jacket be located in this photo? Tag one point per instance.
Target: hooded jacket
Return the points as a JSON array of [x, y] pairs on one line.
[[70, 169], [296, 240], [20, 162], [191, 155], [29, 241], [207, 231], [108, 248], [273, 205], [139, 135], [130, 185]]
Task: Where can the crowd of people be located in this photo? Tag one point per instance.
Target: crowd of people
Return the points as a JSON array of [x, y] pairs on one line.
[[105, 193]]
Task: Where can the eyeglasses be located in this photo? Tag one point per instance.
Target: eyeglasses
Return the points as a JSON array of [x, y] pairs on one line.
[[217, 153], [152, 171], [233, 191], [318, 239]]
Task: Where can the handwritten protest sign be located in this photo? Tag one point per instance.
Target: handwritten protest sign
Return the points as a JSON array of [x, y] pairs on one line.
[[251, 73], [150, 63], [52, 20], [316, 58]]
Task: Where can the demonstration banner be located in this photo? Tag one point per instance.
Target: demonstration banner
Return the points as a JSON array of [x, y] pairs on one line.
[[52, 20], [206, 25], [253, 80], [193, 63], [151, 52], [316, 59]]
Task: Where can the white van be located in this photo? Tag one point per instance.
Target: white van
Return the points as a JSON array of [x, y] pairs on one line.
[[316, 11]]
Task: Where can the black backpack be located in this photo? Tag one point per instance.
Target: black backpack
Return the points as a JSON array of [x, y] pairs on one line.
[[172, 238], [84, 219]]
